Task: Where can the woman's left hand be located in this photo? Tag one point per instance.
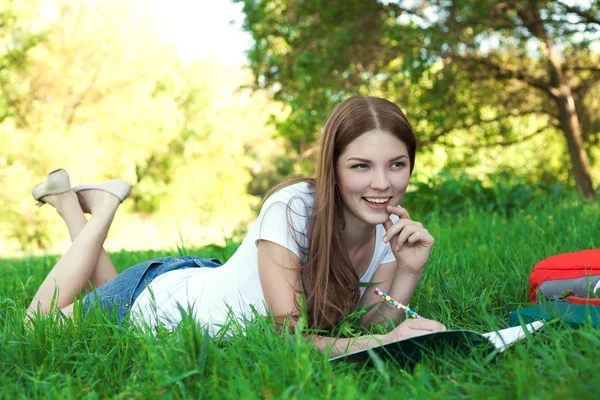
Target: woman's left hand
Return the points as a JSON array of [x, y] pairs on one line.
[[411, 243]]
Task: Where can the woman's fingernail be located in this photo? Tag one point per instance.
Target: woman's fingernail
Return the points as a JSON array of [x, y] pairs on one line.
[[385, 239]]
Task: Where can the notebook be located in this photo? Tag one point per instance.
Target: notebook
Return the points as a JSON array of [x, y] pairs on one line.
[[411, 349]]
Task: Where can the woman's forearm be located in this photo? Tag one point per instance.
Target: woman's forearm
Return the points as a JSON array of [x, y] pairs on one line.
[[404, 285], [409, 328], [402, 288], [338, 346]]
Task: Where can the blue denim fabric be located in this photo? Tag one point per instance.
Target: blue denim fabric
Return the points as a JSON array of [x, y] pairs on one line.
[[120, 292]]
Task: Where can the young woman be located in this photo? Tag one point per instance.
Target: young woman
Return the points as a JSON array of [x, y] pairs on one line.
[[318, 238]]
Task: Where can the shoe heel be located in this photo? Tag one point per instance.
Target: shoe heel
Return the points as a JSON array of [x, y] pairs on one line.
[[57, 182]]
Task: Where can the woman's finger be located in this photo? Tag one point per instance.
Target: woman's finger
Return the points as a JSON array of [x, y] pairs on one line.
[[425, 324], [398, 227], [420, 236], [387, 225], [406, 233], [399, 211], [392, 229]]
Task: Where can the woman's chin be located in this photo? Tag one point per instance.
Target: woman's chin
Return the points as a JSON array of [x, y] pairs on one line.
[[379, 219]]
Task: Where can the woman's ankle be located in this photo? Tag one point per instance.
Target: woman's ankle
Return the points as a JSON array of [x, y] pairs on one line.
[[64, 202]]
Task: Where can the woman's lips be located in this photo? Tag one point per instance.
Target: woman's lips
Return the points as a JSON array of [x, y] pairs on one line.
[[375, 203]]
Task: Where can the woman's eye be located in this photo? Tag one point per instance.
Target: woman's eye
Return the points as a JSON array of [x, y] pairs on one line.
[[360, 166], [399, 164]]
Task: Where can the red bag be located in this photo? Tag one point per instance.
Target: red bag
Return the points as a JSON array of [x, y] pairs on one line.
[[567, 277]]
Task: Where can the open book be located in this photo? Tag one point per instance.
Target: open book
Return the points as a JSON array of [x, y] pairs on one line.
[[411, 349]]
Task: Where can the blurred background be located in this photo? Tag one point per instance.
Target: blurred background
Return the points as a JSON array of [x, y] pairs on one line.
[[204, 105]]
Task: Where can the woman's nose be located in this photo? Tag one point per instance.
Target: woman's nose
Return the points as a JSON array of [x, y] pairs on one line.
[[380, 181]]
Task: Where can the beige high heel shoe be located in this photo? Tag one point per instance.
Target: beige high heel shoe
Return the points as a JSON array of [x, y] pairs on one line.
[[116, 187], [57, 182]]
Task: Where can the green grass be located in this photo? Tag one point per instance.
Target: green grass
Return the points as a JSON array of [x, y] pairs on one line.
[[477, 274]]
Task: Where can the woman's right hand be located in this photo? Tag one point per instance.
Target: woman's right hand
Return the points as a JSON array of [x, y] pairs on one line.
[[414, 327]]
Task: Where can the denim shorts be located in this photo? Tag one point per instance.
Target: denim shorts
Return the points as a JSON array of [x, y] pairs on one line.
[[120, 292]]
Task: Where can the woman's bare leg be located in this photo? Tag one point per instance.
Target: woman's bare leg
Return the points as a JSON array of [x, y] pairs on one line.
[[72, 212], [77, 266]]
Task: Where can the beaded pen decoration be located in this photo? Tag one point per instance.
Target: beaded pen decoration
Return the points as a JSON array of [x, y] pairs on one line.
[[389, 299]]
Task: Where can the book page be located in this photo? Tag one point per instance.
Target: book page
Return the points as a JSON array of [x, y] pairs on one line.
[[504, 338]]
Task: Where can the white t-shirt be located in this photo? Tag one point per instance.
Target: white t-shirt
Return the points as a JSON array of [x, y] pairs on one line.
[[209, 293]]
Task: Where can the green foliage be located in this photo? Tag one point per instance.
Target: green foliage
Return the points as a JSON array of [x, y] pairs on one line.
[[469, 75], [317, 75], [101, 96], [456, 195], [16, 40], [264, 180], [155, 173], [477, 274]]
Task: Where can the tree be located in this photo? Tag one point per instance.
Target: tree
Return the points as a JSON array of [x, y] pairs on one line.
[[101, 95], [86, 99], [469, 65], [16, 40]]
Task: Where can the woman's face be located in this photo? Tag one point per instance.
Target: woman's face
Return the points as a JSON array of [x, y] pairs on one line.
[[372, 173]]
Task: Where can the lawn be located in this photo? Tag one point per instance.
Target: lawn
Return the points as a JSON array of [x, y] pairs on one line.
[[477, 274]]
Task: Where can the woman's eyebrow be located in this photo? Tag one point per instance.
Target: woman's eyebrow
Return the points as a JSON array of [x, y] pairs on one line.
[[359, 159], [369, 161]]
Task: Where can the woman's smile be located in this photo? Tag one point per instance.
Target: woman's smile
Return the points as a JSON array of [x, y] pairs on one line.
[[377, 203]]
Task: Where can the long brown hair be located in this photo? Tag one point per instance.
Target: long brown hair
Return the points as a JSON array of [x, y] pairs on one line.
[[330, 284]]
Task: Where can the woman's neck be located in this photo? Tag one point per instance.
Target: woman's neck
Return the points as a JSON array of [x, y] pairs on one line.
[[356, 237]]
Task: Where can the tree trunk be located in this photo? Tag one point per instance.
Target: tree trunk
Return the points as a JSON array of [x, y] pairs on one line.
[[569, 124], [561, 93]]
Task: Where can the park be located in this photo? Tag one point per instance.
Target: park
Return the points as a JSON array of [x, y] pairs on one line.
[[503, 99]]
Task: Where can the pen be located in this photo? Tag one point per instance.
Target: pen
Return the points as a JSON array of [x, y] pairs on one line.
[[389, 299]]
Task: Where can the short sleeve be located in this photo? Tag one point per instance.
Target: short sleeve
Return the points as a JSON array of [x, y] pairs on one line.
[[283, 220], [388, 256]]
